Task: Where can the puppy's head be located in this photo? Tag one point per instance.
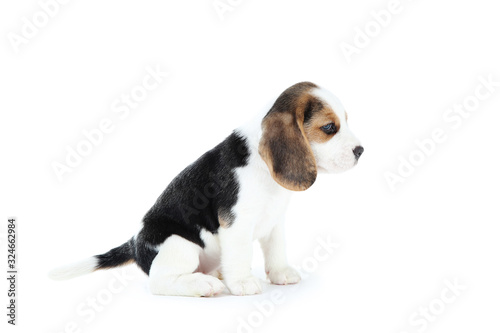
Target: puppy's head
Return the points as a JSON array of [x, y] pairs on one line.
[[305, 132]]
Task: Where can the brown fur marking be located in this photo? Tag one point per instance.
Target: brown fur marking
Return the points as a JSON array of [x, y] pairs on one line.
[[284, 145], [321, 118], [223, 223]]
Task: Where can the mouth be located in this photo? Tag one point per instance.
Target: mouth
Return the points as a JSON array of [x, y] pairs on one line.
[[337, 168], [321, 169]]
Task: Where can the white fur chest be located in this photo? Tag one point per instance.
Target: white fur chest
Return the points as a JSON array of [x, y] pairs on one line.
[[261, 201]]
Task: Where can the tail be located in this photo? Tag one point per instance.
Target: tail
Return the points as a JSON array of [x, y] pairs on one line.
[[121, 255]]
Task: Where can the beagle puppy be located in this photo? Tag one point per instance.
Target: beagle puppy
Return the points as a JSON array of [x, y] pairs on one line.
[[208, 217]]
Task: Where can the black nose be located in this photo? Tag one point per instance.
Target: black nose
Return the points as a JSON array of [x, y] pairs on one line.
[[358, 151]]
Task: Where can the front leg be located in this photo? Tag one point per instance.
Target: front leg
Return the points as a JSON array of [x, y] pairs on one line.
[[277, 268], [236, 258]]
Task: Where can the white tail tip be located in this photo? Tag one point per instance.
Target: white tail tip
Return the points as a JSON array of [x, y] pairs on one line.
[[73, 270]]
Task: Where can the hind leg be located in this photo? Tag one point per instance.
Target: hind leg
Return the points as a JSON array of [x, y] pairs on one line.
[[173, 271]]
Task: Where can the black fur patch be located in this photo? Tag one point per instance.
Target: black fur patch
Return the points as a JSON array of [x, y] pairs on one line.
[[194, 200], [313, 105], [117, 256]]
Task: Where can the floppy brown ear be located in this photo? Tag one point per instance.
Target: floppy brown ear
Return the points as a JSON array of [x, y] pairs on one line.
[[286, 150]]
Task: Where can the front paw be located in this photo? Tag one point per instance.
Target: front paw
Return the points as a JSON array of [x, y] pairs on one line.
[[286, 275], [246, 286]]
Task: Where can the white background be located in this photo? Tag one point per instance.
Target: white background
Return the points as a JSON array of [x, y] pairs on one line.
[[397, 248]]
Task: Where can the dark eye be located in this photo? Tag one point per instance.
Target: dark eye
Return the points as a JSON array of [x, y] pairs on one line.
[[329, 129]]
